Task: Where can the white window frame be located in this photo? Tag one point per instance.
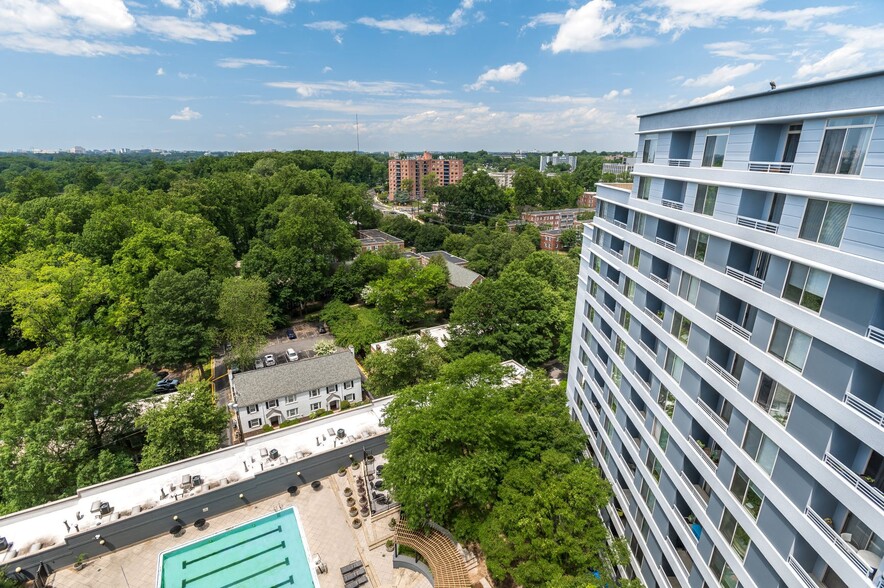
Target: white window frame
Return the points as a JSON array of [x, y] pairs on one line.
[[773, 332], [823, 221], [315, 393], [691, 279], [828, 279], [252, 409], [348, 385], [290, 399], [835, 126], [764, 438], [715, 133], [271, 404], [291, 413], [315, 406], [350, 397], [253, 423]]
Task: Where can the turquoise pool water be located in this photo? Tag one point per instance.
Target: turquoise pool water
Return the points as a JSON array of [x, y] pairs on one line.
[[267, 552]]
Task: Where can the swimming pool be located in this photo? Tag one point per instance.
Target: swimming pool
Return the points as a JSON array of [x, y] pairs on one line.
[[268, 552]]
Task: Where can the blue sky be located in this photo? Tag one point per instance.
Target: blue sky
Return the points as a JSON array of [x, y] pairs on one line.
[[440, 75]]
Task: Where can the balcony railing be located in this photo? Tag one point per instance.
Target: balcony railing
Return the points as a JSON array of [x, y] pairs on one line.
[[696, 490], [613, 282], [654, 315], [617, 254], [727, 376], [855, 480], [875, 334], [679, 162], [753, 223], [644, 382], [840, 543], [732, 326], [659, 281], [712, 414], [673, 204], [618, 223], [647, 348], [802, 573], [744, 277], [682, 556], [664, 243], [773, 167], [640, 411], [702, 451], [864, 408]]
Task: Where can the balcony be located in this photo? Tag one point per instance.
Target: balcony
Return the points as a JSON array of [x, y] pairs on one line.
[[731, 325], [864, 488], [673, 204], [647, 348], [683, 556], [726, 376], [772, 167], [711, 455], [660, 282], [618, 223], [875, 334], [838, 542], [679, 162], [801, 573], [745, 221], [654, 315], [864, 408], [664, 243], [644, 382], [712, 414], [744, 277], [696, 488]]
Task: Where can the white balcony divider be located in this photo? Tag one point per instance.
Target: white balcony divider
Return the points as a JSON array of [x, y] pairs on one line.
[[654, 315], [855, 480], [752, 223], [664, 243], [840, 543], [712, 414], [875, 334], [743, 277], [802, 573], [678, 557], [730, 379], [732, 326], [660, 281], [673, 162], [647, 348], [701, 451], [644, 382], [864, 408], [673, 204], [694, 489], [644, 413], [773, 167]]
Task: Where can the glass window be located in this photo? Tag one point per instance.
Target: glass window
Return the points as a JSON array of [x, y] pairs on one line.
[[697, 243], [660, 433], [593, 289], [713, 153], [252, 409], [638, 223], [673, 365], [705, 202], [616, 376], [644, 188], [681, 328], [315, 406], [824, 222], [621, 348], [666, 401], [272, 403], [790, 345], [255, 423], [292, 412], [746, 492], [596, 264], [649, 150], [635, 256], [646, 493], [629, 289], [760, 448], [845, 145], [734, 533], [722, 571], [688, 288], [314, 393], [806, 286], [774, 398], [625, 318], [290, 399], [654, 466], [348, 385]]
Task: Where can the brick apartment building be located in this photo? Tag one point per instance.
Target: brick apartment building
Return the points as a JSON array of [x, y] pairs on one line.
[[586, 200], [373, 239], [553, 219], [447, 171], [551, 240]]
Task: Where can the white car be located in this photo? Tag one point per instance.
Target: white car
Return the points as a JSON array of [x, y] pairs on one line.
[[291, 354], [269, 360]]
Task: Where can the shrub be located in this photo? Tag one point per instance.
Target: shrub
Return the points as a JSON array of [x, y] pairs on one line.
[[345, 404], [267, 428]]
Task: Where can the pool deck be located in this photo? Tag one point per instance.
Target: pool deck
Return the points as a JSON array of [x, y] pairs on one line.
[[327, 530]]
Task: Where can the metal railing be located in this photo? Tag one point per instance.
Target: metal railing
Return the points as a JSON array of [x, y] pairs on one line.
[[617, 254], [659, 281], [643, 412], [613, 282], [758, 225], [694, 489], [620, 224], [644, 382], [673, 162], [802, 573], [864, 408], [654, 315], [727, 376], [678, 557], [855, 480], [701, 451], [647, 348], [743, 277], [722, 424], [875, 334], [773, 167], [745, 334], [840, 543], [673, 204], [664, 243]]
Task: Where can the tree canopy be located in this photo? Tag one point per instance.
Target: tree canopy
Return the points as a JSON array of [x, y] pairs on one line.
[[411, 360]]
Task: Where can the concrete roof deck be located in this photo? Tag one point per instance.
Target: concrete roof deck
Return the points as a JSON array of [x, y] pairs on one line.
[[129, 495]]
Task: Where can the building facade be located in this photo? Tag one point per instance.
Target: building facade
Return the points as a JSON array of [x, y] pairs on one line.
[[551, 240], [504, 179], [586, 200], [564, 218], [556, 159], [293, 390], [374, 240], [447, 172], [727, 360]]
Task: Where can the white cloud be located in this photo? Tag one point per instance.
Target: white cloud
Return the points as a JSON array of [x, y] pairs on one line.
[[271, 6], [326, 69], [861, 49], [509, 73], [615, 93], [332, 26], [188, 30], [186, 76], [161, 71], [736, 50], [716, 95], [721, 75], [677, 16], [111, 15], [595, 26], [28, 43], [97, 117], [416, 25], [172, 3], [239, 63], [186, 114], [545, 19], [19, 94], [559, 99], [381, 88]]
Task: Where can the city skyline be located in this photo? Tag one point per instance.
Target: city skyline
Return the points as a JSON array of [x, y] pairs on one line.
[[501, 76]]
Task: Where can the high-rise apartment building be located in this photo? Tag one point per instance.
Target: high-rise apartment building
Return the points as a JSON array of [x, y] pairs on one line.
[[447, 172], [558, 159], [727, 360]]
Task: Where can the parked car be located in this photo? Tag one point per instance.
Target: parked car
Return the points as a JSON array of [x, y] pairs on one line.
[[269, 360], [291, 354], [290, 333], [323, 329], [234, 368], [166, 385], [228, 346], [258, 363]]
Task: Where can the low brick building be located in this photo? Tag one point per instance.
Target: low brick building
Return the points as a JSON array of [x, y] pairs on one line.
[[551, 240], [586, 200], [373, 239], [553, 219]]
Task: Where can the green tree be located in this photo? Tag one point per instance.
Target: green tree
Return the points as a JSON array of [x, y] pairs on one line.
[[401, 295], [179, 317], [411, 360], [475, 199], [527, 186], [430, 237], [323, 348], [357, 328], [570, 238], [350, 279], [108, 465], [190, 424], [244, 316]]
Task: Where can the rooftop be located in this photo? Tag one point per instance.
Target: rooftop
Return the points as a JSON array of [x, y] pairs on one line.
[[439, 333], [445, 255], [551, 232], [375, 236], [461, 277], [617, 185], [556, 211], [294, 377]]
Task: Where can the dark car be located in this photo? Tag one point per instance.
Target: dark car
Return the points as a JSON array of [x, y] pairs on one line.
[[322, 329], [166, 385], [290, 333]]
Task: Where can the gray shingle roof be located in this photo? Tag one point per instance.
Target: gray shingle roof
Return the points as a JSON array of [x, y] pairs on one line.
[[460, 276], [292, 378]]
